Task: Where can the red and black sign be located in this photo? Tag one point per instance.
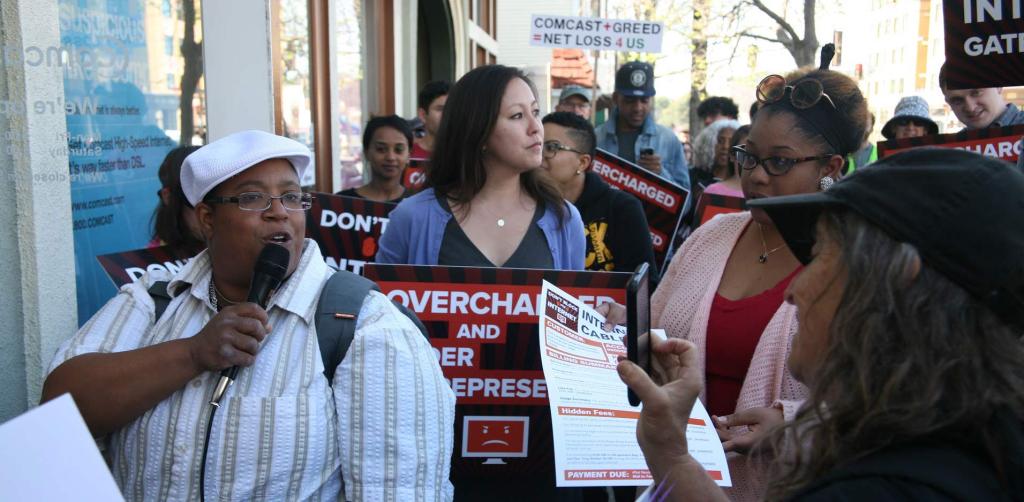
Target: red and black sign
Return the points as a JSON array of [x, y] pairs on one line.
[[663, 200], [1003, 143], [347, 229], [415, 175], [983, 43], [483, 327], [712, 204], [129, 266]]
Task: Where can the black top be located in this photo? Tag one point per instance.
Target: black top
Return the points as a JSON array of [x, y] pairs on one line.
[[618, 238], [926, 470], [351, 192], [458, 250]]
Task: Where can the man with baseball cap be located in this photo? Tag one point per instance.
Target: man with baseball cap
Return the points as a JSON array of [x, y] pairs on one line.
[[143, 381], [630, 131], [575, 99]]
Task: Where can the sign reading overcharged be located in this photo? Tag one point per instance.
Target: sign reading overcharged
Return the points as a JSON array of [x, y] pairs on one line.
[[594, 33]]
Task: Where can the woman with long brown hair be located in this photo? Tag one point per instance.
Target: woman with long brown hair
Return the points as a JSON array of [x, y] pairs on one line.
[[909, 341], [487, 203]]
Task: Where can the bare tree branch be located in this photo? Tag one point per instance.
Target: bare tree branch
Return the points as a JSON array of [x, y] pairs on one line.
[[779, 19], [760, 37]]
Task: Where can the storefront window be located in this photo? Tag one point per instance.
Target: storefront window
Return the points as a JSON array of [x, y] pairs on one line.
[[350, 64], [128, 101], [293, 77]]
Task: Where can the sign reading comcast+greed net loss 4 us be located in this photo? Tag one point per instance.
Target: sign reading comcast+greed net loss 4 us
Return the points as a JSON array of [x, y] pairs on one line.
[[594, 33]]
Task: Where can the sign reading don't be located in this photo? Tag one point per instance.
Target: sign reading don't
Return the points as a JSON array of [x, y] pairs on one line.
[[565, 32]]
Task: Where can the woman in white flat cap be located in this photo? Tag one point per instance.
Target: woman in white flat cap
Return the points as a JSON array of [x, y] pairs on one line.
[[142, 381]]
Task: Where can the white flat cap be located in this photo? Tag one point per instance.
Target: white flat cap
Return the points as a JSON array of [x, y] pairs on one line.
[[215, 163]]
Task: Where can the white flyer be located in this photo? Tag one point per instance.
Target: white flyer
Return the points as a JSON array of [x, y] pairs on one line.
[[47, 453], [593, 424]]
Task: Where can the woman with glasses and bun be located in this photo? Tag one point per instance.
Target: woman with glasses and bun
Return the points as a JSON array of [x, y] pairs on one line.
[[487, 203], [723, 290]]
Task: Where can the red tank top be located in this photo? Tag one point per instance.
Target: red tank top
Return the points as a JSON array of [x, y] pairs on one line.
[[734, 328]]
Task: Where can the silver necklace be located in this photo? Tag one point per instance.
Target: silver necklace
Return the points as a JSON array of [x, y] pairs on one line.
[[213, 297], [763, 258]]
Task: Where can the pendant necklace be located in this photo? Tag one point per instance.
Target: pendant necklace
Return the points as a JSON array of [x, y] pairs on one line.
[[763, 258]]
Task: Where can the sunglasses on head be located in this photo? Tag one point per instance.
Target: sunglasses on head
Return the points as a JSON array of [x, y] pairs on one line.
[[805, 94]]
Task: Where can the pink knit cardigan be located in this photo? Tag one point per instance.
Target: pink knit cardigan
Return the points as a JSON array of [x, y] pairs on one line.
[[682, 305]]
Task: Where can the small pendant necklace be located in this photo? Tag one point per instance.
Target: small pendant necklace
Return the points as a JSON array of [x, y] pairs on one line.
[[763, 258]]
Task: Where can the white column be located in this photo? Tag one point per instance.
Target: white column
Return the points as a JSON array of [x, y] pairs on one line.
[[238, 66], [406, 36], [37, 271]]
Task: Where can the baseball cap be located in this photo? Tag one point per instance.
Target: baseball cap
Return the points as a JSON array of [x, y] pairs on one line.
[[574, 90], [218, 161], [960, 210], [635, 79]]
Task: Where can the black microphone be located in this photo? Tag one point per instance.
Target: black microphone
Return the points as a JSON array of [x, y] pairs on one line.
[[271, 267]]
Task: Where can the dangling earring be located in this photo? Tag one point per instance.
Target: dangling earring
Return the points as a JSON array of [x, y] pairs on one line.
[[826, 183]]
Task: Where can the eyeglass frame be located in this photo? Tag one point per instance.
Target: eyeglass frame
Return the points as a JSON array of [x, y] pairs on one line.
[[739, 150], [558, 147], [305, 199], [762, 98]]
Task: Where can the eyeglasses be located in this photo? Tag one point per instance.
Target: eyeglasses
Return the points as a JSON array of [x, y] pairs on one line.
[[259, 201], [805, 94], [551, 148], [774, 166]]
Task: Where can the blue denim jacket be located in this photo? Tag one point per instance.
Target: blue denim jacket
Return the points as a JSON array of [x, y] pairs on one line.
[[660, 138]]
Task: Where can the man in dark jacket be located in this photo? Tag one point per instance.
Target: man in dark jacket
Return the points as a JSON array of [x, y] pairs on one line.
[[618, 238]]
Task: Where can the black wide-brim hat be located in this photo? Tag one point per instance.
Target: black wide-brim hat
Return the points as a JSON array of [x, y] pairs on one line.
[[960, 210]]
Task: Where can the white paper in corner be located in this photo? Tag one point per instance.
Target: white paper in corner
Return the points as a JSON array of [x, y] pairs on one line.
[[47, 453]]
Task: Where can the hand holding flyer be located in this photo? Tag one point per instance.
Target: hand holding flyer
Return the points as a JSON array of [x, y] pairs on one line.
[[594, 426]]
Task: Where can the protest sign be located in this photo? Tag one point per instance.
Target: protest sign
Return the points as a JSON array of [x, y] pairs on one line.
[[984, 43], [1003, 143], [129, 266], [415, 175], [662, 199], [589, 409], [712, 204], [483, 327], [347, 229], [564, 32]]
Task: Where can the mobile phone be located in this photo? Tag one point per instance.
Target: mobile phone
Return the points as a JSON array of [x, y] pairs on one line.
[[647, 151], [638, 323]]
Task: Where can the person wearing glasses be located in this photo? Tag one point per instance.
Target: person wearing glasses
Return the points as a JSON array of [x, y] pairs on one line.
[[618, 238], [723, 290], [909, 341], [486, 202], [283, 431], [575, 99], [911, 119]]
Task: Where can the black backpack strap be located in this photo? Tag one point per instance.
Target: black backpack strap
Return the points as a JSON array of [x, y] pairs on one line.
[[336, 315], [161, 298]]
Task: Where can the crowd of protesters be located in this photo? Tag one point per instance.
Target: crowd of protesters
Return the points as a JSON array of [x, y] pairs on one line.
[[847, 332]]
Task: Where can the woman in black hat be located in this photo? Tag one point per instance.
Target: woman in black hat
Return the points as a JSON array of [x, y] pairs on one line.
[[911, 310]]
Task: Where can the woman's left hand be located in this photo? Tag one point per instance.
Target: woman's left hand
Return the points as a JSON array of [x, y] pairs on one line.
[[759, 421], [661, 430]]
